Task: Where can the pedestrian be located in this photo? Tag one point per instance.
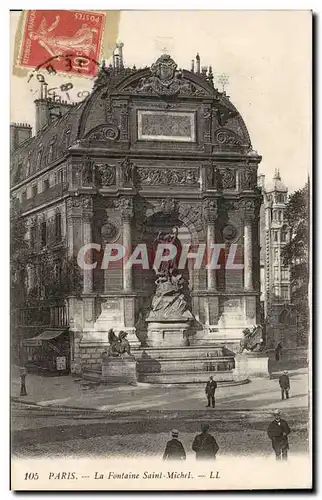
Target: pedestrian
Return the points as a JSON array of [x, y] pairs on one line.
[[210, 390], [205, 445], [278, 351], [174, 449], [23, 374], [284, 382], [277, 431]]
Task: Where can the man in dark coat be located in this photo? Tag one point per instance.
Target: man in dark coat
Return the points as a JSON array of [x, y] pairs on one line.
[[278, 351], [284, 382], [205, 445], [210, 392], [277, 431], [23, 374], [174, 449]]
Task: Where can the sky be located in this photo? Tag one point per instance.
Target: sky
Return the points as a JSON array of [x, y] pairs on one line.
[[266, 55]]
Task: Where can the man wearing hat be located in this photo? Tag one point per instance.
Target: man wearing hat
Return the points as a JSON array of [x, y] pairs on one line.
[[174, 449], [284, 382], [210, 390], [277, 431], [205, 445]]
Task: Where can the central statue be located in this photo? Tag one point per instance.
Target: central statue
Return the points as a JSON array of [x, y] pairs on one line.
[[168, 266], [169, 300]]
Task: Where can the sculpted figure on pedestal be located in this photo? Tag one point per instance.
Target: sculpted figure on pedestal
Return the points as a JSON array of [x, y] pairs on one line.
[[119, 345], [170, 299], [252, 340]]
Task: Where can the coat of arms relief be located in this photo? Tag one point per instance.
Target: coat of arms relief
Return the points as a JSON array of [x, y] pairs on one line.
[[166, 79]]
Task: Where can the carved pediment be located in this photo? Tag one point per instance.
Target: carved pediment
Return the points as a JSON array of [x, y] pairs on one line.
[[164, 79]]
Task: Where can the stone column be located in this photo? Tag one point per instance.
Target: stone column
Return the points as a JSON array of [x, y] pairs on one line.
[[127, 242], [248, 244], [74, 224], [210, 213], [87, 204], [126, 207]]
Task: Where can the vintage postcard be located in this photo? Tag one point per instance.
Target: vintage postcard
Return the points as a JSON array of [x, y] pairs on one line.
[[160, 178]]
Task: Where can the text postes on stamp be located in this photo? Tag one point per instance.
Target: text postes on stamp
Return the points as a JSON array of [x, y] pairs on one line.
[[50, 33]]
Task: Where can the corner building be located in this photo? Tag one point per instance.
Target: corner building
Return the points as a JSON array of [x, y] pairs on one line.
[[148, 150], [281, 317]]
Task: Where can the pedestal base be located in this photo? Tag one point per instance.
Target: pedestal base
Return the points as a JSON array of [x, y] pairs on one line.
[[118, 314], [168, 333], [121, 370], [250, 365]]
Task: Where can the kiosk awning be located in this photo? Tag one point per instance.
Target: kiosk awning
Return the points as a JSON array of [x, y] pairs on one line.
[[45, 335]]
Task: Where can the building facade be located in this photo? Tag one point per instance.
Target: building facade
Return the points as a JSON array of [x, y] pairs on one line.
[[147, 151], [278, 313]]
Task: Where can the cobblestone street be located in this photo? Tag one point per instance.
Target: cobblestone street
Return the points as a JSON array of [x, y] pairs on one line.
[[63, 416], [70, 392]]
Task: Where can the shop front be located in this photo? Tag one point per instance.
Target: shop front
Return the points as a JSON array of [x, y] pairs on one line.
[[48, 353]]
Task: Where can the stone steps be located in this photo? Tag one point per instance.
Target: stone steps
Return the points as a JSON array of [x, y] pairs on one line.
[[189, 378], [214, 351], [180, 365], [185, 377], [186, 364]]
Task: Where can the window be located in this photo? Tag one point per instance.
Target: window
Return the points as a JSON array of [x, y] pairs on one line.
[[23, 196], [67, 138], [274, 215], [58, 270], [39, 159], [18, 173], [28, 168], [60, 177], [280, 198], [34, 190], [50, 153], [58, 226], [276, 273], [284, 273], [46, 184], [33, 236], [280, 215], [284, 317], [283, 236], [275, 235], [43, 232], [284, 292]]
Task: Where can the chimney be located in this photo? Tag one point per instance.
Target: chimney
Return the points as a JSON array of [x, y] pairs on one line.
[[42, 114], [197, 63], [50, 109], [192, 66], [120, 46], [210, 76], [19, 133]]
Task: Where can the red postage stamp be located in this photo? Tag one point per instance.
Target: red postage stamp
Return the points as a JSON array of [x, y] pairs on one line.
[[72, 40]]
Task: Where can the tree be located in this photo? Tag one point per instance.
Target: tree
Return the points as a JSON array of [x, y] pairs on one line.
[[296, 252], [58, 278], [21, 257]]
